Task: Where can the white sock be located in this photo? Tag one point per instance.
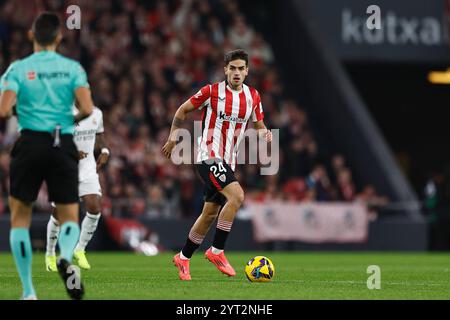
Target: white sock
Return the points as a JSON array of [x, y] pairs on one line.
[[88, 227], [52, 236], [216, 251], [182, 256]]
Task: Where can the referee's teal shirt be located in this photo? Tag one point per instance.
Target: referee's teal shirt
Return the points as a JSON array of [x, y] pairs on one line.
[[45, 84]]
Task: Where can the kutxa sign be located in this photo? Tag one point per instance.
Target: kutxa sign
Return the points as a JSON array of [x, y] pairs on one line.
[[409, 30]]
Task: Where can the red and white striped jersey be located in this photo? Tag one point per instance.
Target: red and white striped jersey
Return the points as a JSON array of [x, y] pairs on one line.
[[225, 116]]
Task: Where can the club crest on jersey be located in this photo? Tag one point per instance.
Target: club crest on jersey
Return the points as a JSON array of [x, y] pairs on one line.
[[94, 122], [198, 94], [223, 177]]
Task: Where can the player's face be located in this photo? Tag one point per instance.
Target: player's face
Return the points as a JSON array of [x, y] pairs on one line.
[[236, 71]]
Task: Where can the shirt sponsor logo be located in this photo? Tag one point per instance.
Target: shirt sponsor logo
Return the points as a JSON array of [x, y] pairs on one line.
[[223, 116], [84, 132]]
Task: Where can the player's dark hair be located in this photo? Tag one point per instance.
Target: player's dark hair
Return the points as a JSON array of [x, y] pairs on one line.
[[45, 28], [236, 54]]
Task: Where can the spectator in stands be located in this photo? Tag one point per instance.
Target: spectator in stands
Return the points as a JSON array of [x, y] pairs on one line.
[[346, 187], [337, 164], [143, 59]]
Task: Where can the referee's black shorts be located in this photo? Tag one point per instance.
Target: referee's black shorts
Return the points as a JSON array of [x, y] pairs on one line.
[[34, 159]]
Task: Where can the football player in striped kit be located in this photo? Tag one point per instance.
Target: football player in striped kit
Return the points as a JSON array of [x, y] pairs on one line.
[[227, 106]]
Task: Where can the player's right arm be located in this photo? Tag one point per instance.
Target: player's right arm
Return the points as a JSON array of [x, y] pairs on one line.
[[177, 122], [100, 147], [197, 101]]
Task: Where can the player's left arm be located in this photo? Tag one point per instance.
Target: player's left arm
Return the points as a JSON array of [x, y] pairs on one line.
[[100, 147], [258, 119], [263, 132]]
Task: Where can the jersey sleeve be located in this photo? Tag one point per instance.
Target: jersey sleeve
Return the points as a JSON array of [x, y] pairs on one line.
[[80, 78], [10, 79], [100, 128], [201, 98], [257, 113]]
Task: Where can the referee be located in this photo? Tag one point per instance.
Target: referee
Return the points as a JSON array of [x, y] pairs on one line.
[[43, 86]]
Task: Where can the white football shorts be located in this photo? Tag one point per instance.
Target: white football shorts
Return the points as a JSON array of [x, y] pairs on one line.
[[89, 186]]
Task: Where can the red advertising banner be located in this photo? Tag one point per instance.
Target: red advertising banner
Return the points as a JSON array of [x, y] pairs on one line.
[[309, 222]]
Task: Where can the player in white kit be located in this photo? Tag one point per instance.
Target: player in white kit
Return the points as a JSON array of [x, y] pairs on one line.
[[88, 137]]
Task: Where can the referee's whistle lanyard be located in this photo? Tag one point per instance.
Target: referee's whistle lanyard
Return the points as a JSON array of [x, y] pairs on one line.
[[57, 137]]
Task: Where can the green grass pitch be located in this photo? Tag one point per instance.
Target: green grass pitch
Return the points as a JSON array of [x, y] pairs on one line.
[[297, 276]]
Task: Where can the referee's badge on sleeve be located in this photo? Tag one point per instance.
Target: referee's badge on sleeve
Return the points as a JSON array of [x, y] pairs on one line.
[[31, 75]]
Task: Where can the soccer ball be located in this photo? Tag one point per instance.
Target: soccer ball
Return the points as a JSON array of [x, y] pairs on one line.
[[259, 269]]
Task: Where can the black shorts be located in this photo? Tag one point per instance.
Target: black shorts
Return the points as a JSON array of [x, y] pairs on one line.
[[34, 160], [216, 175]]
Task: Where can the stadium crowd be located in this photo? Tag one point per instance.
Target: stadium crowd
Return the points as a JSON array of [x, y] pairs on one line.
[[143, 60]]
